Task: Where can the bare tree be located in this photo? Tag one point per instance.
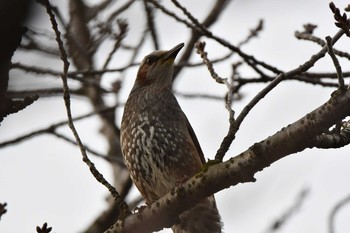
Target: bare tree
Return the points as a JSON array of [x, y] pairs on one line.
[[76, 39]]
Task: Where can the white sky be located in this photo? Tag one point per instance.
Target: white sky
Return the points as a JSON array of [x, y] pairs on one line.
[[44, 179]]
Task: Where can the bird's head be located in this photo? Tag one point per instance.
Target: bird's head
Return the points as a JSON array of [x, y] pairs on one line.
[[157, 68]]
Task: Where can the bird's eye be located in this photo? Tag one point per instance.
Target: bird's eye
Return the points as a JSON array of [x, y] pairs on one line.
[[150, 60]]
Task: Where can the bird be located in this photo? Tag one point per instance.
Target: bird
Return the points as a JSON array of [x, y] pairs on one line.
[[159, 146]]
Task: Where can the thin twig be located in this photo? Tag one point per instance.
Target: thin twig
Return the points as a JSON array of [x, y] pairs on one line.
[[123, 26], [99, 177], [214, 13], [310, 78], [336, 63], [53, 127], [151, 24], [120, 10], [319, 41], [253, 33], [98, 8], [109, 158], [324, 75], [251, 60], [200, 49], [199, 95], [233, 128], [189, 15], [30, 43], [335, 210], [213, 61], [70, 74], [136, 49], [309, 37], [40, 92], [289, 212]]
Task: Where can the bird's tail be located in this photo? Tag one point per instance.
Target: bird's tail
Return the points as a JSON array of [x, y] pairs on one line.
[[202, 218]]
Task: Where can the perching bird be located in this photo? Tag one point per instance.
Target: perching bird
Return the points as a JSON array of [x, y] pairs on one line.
[[159, 145]]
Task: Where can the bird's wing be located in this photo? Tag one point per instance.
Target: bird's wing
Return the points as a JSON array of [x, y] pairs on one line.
[[195, 142]]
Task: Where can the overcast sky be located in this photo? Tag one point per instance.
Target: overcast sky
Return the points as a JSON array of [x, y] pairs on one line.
[[44, 179]]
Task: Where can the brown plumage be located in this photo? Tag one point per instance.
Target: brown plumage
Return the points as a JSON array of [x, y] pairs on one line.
[[159, 145]]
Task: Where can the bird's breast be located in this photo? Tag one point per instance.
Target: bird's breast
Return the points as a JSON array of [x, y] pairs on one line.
[[155, 142]]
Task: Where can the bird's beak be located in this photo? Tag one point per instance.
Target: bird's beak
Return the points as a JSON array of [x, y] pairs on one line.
[[171, 54]]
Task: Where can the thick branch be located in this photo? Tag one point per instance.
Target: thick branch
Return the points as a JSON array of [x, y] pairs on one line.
[[333, 139], [240, 169]]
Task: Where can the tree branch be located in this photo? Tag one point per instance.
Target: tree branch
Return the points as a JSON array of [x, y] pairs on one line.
[[210, 19], [113, 159], [195, 25], [52, 127], [334, 139], [285, 217], [336, 63], [150, 12], [234, 127], [341, 204], [240, 169], [99, 177]]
